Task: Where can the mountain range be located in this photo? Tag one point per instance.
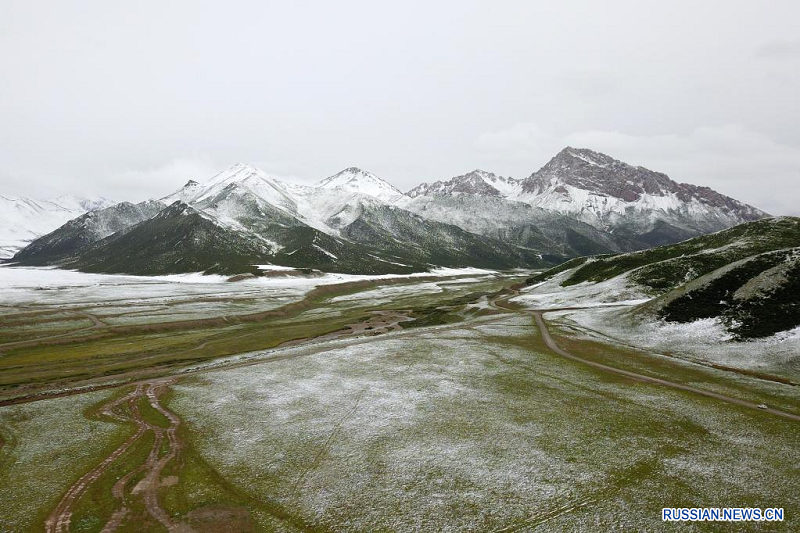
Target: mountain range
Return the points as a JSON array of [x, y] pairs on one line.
[[24, 219], [581, 202]]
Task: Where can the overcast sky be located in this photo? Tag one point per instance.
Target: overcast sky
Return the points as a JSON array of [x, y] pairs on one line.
[[130, 99]]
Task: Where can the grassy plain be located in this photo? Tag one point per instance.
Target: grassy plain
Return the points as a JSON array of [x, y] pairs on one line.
[[464, 420]]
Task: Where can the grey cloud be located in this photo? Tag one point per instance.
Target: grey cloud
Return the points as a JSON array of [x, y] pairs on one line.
[[783, 49]]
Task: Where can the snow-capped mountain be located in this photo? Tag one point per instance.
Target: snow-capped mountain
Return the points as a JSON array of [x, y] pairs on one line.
[[608, 193], [81, 203], [235, 192], [344, 224], [76, 235], [579, 203], [354, 179], [24, 219], [477, 182], [638, 206]]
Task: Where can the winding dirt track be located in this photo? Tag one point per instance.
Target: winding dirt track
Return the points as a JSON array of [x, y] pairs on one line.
[[147, 488], [548, 340]]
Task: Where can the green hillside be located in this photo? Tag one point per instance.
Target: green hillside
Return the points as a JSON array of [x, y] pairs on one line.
[[747, 276]]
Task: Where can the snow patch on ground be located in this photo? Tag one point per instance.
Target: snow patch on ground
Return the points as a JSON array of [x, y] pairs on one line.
[[324, 251], [274, 267], [384, 293], [550, 294], [703, 341]]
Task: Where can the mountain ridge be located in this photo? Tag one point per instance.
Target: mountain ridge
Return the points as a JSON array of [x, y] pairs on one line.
[[475, 219]]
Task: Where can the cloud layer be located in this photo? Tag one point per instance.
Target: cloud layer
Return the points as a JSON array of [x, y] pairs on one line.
[[131, 100]]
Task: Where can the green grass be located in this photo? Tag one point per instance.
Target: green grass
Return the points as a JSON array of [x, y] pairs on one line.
[[95, 507], [443, 312], [117, 352], [50, 444], [150, 414]]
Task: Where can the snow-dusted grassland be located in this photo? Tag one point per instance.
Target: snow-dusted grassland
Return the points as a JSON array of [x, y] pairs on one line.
[[472, 426], [119, 299], [704, 341], [48, 445], [477, 427]]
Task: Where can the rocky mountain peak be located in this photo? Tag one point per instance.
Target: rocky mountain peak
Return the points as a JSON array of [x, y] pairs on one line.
[[598, 173], [579, 180], [583, 156], [477, 182]]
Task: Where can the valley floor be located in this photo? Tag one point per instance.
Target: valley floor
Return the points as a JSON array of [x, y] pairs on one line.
[[438, 402]]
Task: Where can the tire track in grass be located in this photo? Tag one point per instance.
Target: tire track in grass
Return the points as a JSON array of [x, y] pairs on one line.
[[60, 518], [328, 442], [538, 316]]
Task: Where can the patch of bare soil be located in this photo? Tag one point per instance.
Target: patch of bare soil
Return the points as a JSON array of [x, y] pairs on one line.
[[219, 519]]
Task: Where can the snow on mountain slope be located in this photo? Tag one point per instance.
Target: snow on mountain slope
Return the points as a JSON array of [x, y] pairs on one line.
[[517, 223], [75, 235], [246, 192], [354, 179], [185, 194], [24, 219], [245, 176], [644, 207], [605, 192], [82, 204], [477, 182]]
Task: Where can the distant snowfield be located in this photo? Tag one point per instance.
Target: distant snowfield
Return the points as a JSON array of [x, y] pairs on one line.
[[127, 300], [24, 219], [27, 284]]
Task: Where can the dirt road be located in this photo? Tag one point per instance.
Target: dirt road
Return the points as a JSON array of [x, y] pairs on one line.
[[548, 339], [501, 303], [126, 410]]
